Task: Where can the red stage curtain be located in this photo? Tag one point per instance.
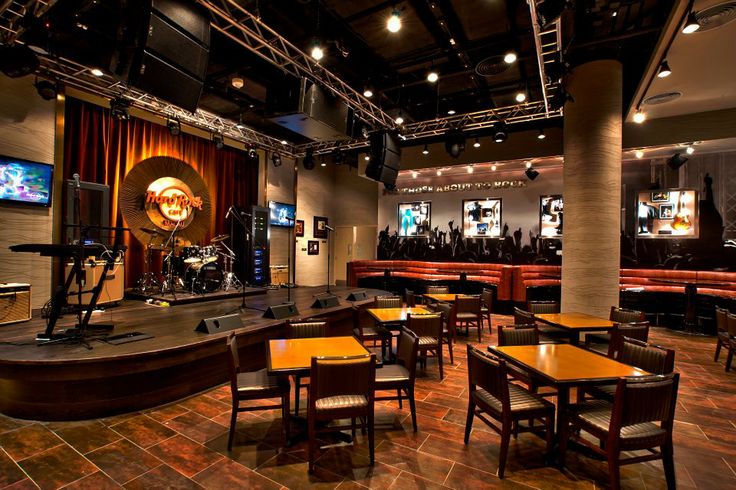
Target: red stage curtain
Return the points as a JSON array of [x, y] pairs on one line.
[[103, 149]]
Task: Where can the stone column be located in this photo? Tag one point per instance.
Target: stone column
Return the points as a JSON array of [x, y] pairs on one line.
[[592, 188]]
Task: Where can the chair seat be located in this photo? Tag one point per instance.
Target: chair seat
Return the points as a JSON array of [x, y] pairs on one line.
[[372, 332], [595, 417], [428, 341], [598, 338], [259, 381], [391, 373], [340, 402], [604, 392], [465, 317], [521, 400]]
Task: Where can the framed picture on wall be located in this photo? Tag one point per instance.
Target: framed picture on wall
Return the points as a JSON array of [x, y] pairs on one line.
[[312, 247], [299, 228], [482, 218], [550, 216], [320, 227], [415, 218]]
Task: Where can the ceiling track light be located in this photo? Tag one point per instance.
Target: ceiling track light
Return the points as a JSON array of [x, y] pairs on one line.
[[639, 154], [477, 143], [399, 119], [439, 173], [276, 159], [639, 116], [470, 169], [690, 149], [541, 135], [500, 132], [174, 127], [520, 97], [96, 72], [393, 23], [414, 174], [664, 70], [367, 92], [425, 151], [692, 23], [451, 112], [528, 164], [317, 52], [237, 82], [432, 77], [509, 57], [493, 168], [218, 140]]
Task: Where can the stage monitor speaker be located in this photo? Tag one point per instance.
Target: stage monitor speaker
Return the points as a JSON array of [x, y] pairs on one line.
[[326, 301], [357, 296], [385, 158], [15, 303], [219, 324], [279, 312]]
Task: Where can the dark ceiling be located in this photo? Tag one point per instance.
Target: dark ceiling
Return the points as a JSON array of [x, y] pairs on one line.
[[458, 39]]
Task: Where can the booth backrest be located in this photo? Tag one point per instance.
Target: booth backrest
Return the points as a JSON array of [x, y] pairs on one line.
[[526, 276]]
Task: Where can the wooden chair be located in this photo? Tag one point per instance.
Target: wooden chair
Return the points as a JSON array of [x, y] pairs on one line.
[[641, 418], [371, 336], [731, 325], [438, 290], [491, 395], [538, 307], [549, 334], [617, 315], [256, 385], [637, 330], [722, 337], [486, 297], [521, 335], [341, 388], [523, 317], [428, 328], [304, 330], [402, 375], [448, 332], [649, 357], [388, 302], [467, 313]]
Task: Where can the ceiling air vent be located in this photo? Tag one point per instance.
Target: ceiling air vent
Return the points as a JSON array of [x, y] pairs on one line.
[[716, 16], [491, 66], [662, 98]]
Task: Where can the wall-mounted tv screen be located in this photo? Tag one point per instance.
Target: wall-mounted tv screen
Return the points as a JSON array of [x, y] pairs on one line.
[[25, 182], [280, 212], [668, 213], [482, 218]]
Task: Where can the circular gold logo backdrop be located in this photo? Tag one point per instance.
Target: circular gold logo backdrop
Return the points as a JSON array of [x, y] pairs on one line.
[[161, 192]]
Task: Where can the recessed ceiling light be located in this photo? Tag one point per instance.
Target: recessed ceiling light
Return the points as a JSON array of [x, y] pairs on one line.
[[639, 154], [614, 14], [237, 82], [691, 24], [493, 167], [368, 92], [664, 70], [541, 134], [509, 57], [452, 41], [414, 175], [399, 120], [520, 97], [317, 52], [477, 143], [639, 117], [432, 77], [528, 164], [451, 112], [323, 164], [284, 142], [367, 158], [425, 151], [393, 24], [690, 150], [96, 72], [470, 169], [439, 173]]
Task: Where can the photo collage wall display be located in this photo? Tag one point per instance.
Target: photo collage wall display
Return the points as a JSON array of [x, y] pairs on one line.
[[550, 216], [670, 213], [415, 218], [482, 217]]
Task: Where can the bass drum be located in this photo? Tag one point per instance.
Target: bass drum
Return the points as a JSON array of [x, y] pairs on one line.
[[204, 278]]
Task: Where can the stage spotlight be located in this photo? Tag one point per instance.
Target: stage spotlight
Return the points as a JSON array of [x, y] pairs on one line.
[[308, 160], [477, 143], [425, 151], [531, 173], [276, 159], [520, 97], [393, 23], [664, 70], [317, 52], [451, 112], [18, 60], [676, 161], [119, 108], [338, 158], [241, 125], [541, 135], [454, 142], [432, 76], [550, 10], [692, 24], [368, 92], [252, 153], [174, 127], [47, 90], [218, 140], [500, 132]]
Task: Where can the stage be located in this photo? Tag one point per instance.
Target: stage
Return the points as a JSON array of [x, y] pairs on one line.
[[183, 298], [69, 381]]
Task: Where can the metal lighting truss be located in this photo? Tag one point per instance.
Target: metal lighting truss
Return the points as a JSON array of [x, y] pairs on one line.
[[244, 28], [548, 46], [12, 13]]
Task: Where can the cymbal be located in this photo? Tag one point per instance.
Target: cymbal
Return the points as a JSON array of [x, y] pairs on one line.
[[150, 231], [219, 238]]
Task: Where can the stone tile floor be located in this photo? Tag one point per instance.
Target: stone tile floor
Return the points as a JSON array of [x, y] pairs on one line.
[[183, 445]]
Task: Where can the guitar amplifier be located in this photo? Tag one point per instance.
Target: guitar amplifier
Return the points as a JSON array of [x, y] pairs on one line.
[[112, 290], [15, 302]]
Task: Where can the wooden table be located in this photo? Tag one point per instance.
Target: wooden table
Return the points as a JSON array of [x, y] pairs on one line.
[[294, 356], [396, 315], [445, 298], [575, 323], [564, 366]]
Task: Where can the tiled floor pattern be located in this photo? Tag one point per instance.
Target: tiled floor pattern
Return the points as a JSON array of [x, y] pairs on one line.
[[183, 445]]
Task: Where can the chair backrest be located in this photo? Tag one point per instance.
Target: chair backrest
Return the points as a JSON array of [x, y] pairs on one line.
[[722, 319], [407, 351], [425, 325], [650, 399], [651, 358], [538, 307], [522, 317], [467, 304], [622, 315], [388, 302], [304, 330], [635, 330], [438, 289], [518, 335], [349, 375], [486, 297], [731, 324], [233, 361], [489, 373], [412, 299]]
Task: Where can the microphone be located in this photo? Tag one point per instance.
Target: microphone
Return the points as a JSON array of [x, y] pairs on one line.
[[227, 215], [329, 228], [243, 213], [77, 184]]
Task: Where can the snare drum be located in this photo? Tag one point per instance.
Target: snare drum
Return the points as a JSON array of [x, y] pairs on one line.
[[191, 255], [209, 254]]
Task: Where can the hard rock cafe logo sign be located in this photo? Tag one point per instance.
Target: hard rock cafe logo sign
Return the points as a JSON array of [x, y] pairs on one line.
[[169, 201]]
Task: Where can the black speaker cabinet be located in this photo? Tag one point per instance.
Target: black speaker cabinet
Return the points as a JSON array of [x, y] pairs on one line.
[[260, 266], [326, 301], [357, 296], [219, 324], [280, 312]]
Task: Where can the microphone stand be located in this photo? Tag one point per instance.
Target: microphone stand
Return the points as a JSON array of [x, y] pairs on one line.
[[81, 274], [238, 215], [172, 241], [292, 246]]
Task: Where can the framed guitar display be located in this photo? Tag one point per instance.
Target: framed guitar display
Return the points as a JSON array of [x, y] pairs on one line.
[[668, 213]]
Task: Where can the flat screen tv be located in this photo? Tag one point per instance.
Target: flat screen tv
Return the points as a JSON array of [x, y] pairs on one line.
[[280, 211], [25, 182]]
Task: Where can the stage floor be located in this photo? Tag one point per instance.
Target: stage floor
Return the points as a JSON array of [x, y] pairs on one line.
[[182, 298], [72, 380]]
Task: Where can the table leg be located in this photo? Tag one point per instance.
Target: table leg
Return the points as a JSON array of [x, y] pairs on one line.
[[574, 337], [563, 400], [691, 319]]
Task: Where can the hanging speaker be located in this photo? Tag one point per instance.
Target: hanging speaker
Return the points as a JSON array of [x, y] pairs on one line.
[[326, 301], [280, 312], [357, 296], [219, 324]]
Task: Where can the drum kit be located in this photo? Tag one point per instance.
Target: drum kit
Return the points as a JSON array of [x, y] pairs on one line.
[[196, 269]]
